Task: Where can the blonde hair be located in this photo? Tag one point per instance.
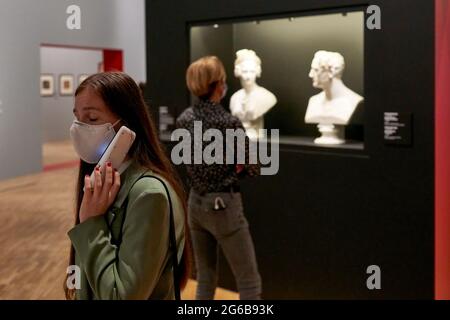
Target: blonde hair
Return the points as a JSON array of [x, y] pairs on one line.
[[203, 75]]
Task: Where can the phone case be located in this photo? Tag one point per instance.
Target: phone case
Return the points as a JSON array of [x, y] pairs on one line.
[[116, 151]]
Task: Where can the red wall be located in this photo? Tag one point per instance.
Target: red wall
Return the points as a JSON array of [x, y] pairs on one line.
[[442, 140], [113, 60]]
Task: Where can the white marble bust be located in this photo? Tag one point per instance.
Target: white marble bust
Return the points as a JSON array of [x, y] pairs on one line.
[[251, 102], [333, 108]]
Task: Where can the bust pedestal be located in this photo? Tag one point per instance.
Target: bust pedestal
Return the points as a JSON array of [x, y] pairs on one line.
[[331, 134], [332, 116]]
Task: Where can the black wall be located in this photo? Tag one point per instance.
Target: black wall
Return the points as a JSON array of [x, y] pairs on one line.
[[330, 213]]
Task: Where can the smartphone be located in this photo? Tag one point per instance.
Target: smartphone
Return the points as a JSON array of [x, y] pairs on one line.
[[116, 151]]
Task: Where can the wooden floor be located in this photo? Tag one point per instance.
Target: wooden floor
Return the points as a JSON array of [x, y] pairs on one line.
[[36, 212]]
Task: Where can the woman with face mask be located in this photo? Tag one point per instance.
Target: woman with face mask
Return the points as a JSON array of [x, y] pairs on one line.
[[130, 240], [216, 215]]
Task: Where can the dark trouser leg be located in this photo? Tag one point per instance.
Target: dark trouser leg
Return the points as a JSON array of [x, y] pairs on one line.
[[205, 251], [239, 250]]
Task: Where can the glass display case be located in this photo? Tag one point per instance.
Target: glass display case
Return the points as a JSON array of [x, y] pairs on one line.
[[286, 47]]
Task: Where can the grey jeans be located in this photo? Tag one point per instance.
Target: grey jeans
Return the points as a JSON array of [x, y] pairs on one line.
[[227, 228]]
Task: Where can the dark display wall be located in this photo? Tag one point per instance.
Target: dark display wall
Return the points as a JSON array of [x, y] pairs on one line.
[[286, 47], [331, 213]]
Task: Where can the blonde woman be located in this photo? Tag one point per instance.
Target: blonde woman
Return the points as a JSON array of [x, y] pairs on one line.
[[216, 216]]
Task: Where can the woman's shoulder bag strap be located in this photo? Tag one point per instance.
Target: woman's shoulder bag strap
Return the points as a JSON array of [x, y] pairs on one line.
[[172, 236]]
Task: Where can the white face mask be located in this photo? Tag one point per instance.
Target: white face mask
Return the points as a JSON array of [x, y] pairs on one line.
[[90, 141]]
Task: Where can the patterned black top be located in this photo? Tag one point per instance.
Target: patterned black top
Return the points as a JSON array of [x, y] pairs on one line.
[[204, 178]]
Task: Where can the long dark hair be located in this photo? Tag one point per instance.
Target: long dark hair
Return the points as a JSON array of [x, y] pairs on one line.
[[123, 96]]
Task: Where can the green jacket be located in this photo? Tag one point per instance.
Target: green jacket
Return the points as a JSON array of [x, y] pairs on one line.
[[141, 268]]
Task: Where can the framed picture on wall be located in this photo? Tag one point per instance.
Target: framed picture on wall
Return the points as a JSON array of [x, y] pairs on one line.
[[47, 85], [66, 85], [82, 77]]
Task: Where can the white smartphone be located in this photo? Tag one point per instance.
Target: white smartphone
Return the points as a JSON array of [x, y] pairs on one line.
[[116, 151]]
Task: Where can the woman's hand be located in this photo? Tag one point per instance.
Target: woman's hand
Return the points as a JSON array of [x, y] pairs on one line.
[[97, 200]]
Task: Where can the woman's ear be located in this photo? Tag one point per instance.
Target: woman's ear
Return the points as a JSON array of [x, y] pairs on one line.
[[216, 96], [118, 125], [222, 86]]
